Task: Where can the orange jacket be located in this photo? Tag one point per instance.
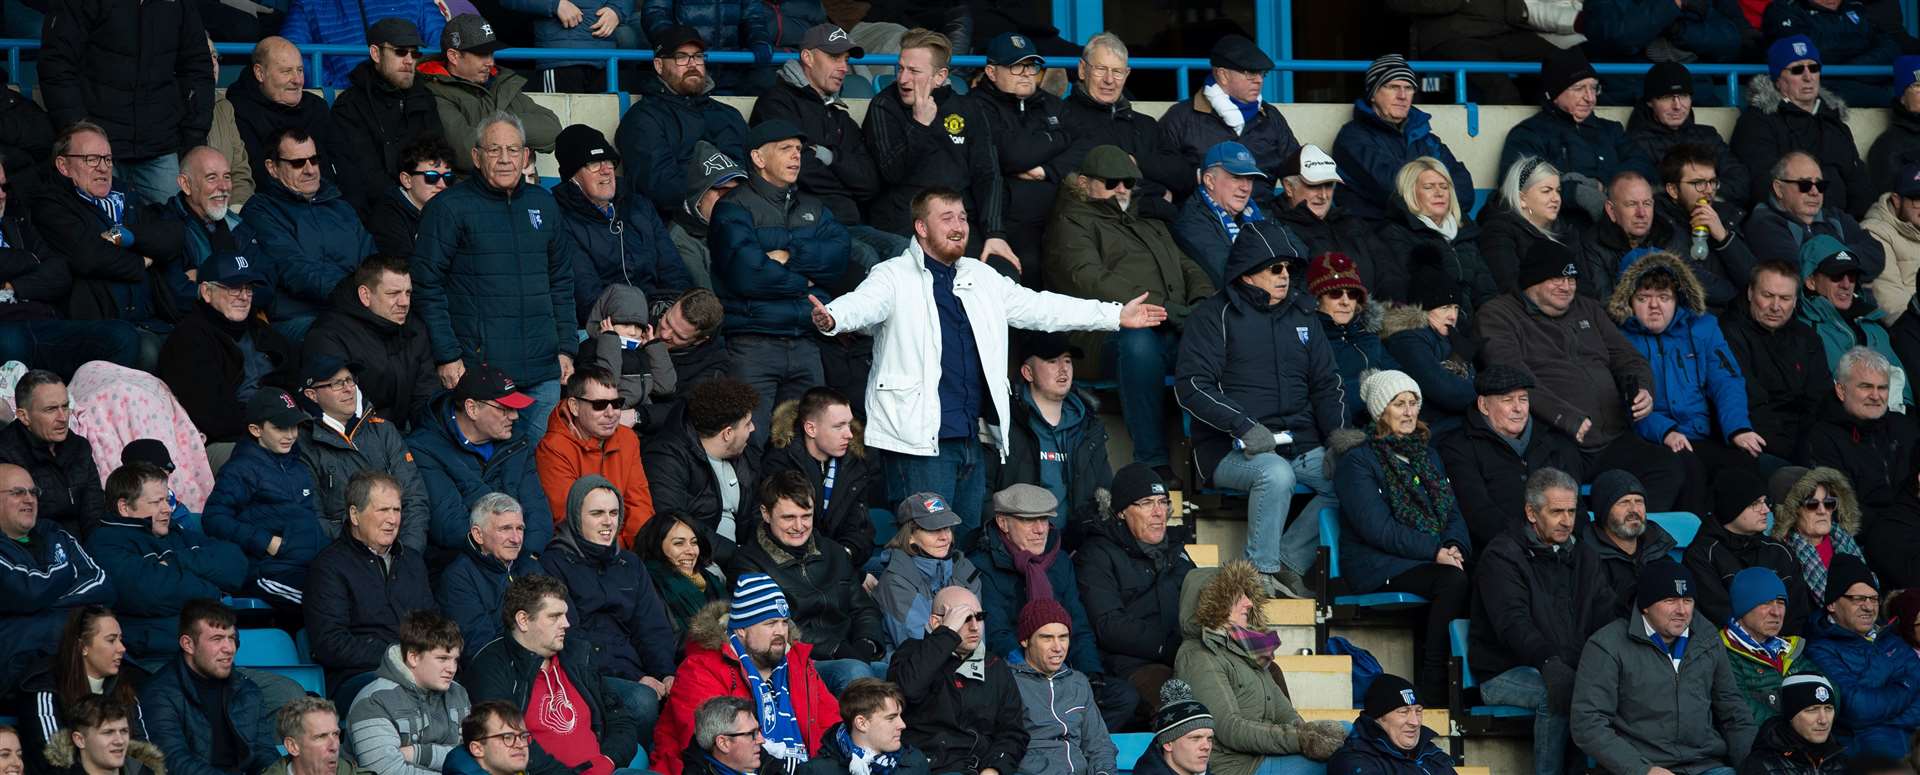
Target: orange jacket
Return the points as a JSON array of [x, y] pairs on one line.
[[563, 457]]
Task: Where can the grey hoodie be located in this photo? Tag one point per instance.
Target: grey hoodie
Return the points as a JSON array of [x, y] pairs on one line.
[[1065, 733], [394, 711], [640, 378], [708, 168]]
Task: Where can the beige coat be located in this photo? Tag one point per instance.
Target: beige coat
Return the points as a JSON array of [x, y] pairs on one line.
[[1893, 289]]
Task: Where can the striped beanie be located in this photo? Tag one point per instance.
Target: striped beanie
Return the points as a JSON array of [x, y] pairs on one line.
[[1179, 713], [1388, 69], [756, 598]]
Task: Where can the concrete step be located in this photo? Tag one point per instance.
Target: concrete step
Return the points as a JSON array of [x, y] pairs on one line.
[[1499, 754], [1204, 555], [1318, 680]]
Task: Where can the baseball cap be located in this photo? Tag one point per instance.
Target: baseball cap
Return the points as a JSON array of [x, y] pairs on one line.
[[1232, 157], [773, 131], [272, 406], [927, 511], [1312, 165], [1045, 345], [1838, 263], [470, 33], [672, 38], [1010, 48], [830, 38], [1908, 184], [398, 33], [486, 382], [232, 270], [321, 368]]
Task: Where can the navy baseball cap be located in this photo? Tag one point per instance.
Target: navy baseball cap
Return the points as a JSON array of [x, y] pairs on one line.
[[231, 270], [1010, 48]]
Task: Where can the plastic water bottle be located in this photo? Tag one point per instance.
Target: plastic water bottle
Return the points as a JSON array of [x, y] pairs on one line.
[[1699, 250]]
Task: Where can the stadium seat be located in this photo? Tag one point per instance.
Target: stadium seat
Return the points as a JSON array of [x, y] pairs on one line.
[[1682, 525], [1330, 550], [1476, 719], [302, 647], [310, 677], [1132, 746], [266, 647], [856, 87]]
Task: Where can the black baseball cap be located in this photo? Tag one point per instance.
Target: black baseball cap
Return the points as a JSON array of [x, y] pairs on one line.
[[830, 38], [672, 38], [273, 406], [321, 368], [1046, 345], [398, 33]]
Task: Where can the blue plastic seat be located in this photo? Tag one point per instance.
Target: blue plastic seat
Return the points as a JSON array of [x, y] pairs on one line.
[[266, 647], [245, 603], [856, 87], [1457, 642], [1330, 540], [1131, 745], [1682, 525], [310, 677]]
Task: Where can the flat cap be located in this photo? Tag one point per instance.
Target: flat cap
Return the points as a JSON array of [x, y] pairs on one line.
[[1025, 501], [1501, 380], [1108, 161]]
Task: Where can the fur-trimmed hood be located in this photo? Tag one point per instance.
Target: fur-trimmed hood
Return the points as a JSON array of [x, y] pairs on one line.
[[1690, 293], [1400, 318], [708, 627], [1846, 517], [1765, 97], [1207, 595], [61, 754], [785, 428]]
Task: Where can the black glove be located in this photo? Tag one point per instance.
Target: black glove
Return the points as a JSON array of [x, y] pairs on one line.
[[1559, 679]]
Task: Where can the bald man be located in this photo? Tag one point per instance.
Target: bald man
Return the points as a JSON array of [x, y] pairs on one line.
[[270, 95], [205, 206], [974, 717], [44, 573]]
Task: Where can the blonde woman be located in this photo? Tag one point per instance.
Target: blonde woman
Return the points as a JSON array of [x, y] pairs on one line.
[[1430, 230]]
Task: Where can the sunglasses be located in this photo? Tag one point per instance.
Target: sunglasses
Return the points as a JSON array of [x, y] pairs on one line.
[[1113, 183], [1808, 185], [1351, 293], [433, 177], [1804, 67], [1828, 503], [1278, 269], [300, 163], [603, 404]]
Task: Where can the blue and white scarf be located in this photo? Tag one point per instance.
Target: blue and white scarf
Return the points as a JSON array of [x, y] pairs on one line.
[[775, 703], [1773, 647], [862, 762], [113, 205], [1231, 221]]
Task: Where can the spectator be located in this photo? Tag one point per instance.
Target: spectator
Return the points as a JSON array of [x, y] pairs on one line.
[[59, 460], [1631, 228], [1426, 339], [1064, 736], [207, 720], [1355, 338], [364, 584], [160, 563], [472, 92], [1098, 113], [31, 328], [584, 436], [1789, 111], [1020, 561], [1386, 133], [534, 647], [406, 722], [1594, 398], [709, 175], [86, 218], [715, 497], [1700, 718], [920, 562], [12, 760], [1033, 149], [930, 432], [1692, 202], [1227, 655], [1220, 206], [1099, 246], [1735, 539], [1622, 535], [1308, 179], [631, 351], [1130, 577], [1640, 30], [270, 98], [309, 729], [209, 220], [1842, 316], [1840, 32], [470, 590], [1539, 593], [371, 315], [607, 24], [465, 446], [1587, 149], [469, 257], [1489, 459], [754, 637], [963, 707], [1760, 656], [1182, 730], [1804, 738], [915, 155], [1665, 119], [1056, 438], [1894, 222], [1893, 533], [1868, 670], [262, 500], [1389, 735], [1817, 515], [1529, 211], [383, 107], [1782, 359], [347, 437], [1430, 218], [611, 600], [1898, 146], [689, 326], [424, 170], [396, 24], [659, 136], [727, 25], [1858, 435], [679, 562], [26, 141], [310, 235], [1404, 532], [98, 738], [494, 741], [818, 437], [1445, 30], [1797, 213], [872, 730], [145, 77], [1229, 107], [716, 748], [618, 233], [90, 653]]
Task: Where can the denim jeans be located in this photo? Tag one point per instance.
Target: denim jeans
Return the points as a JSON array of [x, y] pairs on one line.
[[533, 419], [156, 180], [883, 244], [1285, 765], [1269, 481], [1523, 687], [779, 368], [641, 703], [958, 473], [1139, 360], [837, 673], [62, 346]]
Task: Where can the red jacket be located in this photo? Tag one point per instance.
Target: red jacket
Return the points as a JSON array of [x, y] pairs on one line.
[[712, 669], [563, 457]]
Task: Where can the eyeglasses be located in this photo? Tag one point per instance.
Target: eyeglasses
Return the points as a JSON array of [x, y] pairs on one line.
[[1861, 599], [403, 53], [1828, 503], [1805, 67], [1021, 68], [753, 733], [1808, 185], [683, 60], [238, 290], [1702, 183], [1103, 71], [23, 492], [1591, 89], [433, 177], [503, 409], [497, 151], [94, 160], [512, 739], [603, 404], [1117, 183], [1352, 293], [300, 163], [338, 384]]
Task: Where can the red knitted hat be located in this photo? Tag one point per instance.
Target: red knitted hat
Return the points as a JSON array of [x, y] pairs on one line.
[[1333, 271], [1038, 614]]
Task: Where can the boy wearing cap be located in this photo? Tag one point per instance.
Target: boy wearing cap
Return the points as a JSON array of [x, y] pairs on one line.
[[1229, 107], [1031, 144], [1760, 656], [1064, 734], [1801, 738], [1389, 737], [1586, 148], [1665, 119], [621, 235], [659, 135], [348, 436], [1649, 697], [1894, 222], [263, 500], [1219, 208], [468, 87], [384, 106], [1182, 734], [1789, 110], [466, 445], [207, 359], [1386, 132], [1874, 670]]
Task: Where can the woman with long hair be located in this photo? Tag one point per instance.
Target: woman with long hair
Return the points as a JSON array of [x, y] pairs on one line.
[[679, 561], [89, 659], [1431, 230]]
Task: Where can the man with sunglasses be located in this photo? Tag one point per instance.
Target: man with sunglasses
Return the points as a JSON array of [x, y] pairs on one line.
[[349, 436], [963, 708], [1790, 111], [1847, 34], [311, 236], [467, 445], [1873, 673], [1805, 203], [385, 107], [585, 436]]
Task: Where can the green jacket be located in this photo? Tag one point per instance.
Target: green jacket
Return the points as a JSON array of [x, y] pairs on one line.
[[1095, 250], [1252, 717], [1759, 680], [464, 104]]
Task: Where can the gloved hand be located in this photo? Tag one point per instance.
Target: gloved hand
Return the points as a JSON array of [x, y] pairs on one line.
[[824, 154], [1587, 193], [1559, 679], [762, 53], [1256, 441]]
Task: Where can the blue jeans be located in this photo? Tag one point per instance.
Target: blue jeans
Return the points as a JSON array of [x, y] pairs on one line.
[[779, 368], [1269, 481], [1285, 765], [837, 673], [62, 346], [1139, 359], [641, 703], [533, 419], [878, 245], [958, 473], [1523, 687], [156, 180]]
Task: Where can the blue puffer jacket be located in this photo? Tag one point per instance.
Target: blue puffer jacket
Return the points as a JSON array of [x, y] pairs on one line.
[[633, 250], [1369, 152], [1622, 29], [1368, 751], [549, 33], [177, 722], [493, 280], [1845, 35], [345, 22], [1003, 592], [1597, 147], [1697, 385], [657, 134], [734, 25], [1375, 545], [472, 588], [456, 476], [763, 296], [1356, 350], [1875, 679], [259, 495], [41, 580], [311, 244], [159, 573], [791, 20]]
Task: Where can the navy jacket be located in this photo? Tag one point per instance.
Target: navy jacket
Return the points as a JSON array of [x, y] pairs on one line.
[[1003, 592], [355, 602], [141, 72], [1132, 598], [259, 495], [1874, 679], [1428, 358], [657, 134], [259, 118], [1623, 29], [822, 587], [311, 244], [630, 247], [724, 24], [1375, 545], [41, 579], [1844, 35], [67, 477], [614, 606], [110, 282], [1655, 140], [763, 296], [1368, 751], [177, 722], [1597, 147], [1369, 153], [456, 476], [472, 588], [1356, 350], [157, 575]]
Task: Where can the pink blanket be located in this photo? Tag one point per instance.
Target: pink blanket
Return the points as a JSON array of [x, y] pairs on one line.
[[113, 405]]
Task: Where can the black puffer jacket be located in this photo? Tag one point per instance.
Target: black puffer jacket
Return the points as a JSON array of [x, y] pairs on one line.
[[1027, 133], [396, 361], [964, 723], [1620, 568], [1786, 371], [1092, 124], [955, 151], [374, 121], [822, 586], [1655, 139], [1533, 602], [1132, 597], [1875, 454], [1778, 750], [65, 473], [856, 479], [1606, 244], [1771, 126], [355, 601], [503, 670], [110, 282], [1490, 479], [1717, 554], [683, 482], [258, 117], [141, 72], [851, 179]]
